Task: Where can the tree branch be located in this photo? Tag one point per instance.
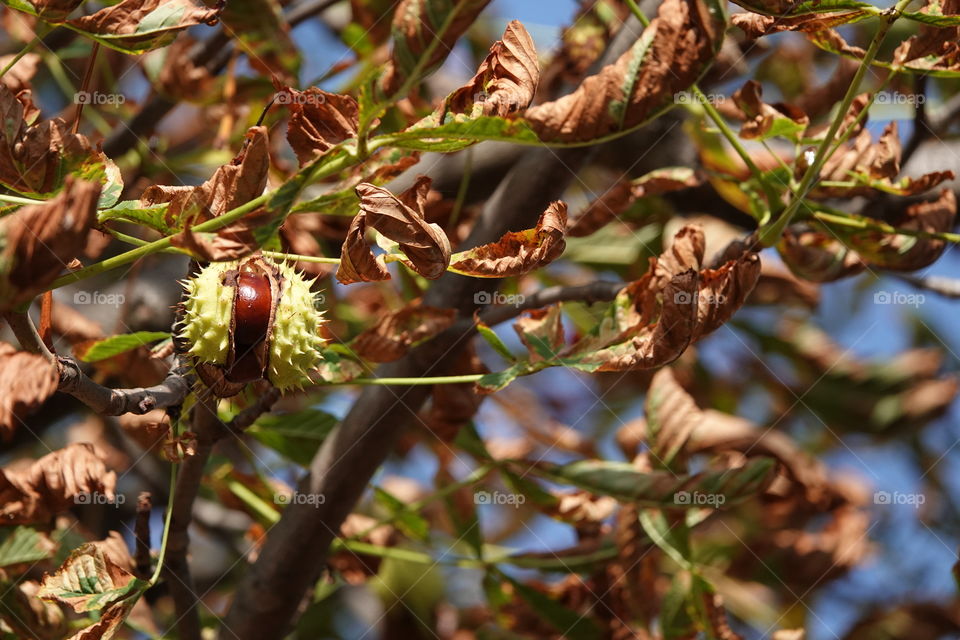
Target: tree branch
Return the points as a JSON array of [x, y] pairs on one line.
[[116, 402]]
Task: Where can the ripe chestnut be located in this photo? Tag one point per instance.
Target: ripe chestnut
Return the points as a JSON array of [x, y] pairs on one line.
[[249, 320]]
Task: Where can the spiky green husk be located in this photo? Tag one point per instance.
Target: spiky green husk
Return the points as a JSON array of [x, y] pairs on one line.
[[295, 347], [295, 342], [207, 312]]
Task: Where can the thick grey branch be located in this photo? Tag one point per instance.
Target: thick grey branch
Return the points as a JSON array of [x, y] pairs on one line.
[[116, 402]]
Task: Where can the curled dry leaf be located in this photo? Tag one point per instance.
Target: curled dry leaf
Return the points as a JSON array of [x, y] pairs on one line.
[[517, 252], [908, 253], [51, 484], [672, 54], [654, 319], [756, 25], [425, 246], [318, 120], [416, 25], [541, 331], [671, 416], [41, 239], [871, 166], [27, 616], [140, 25], [505, 82], [934, 50], [230, 186], [822, 256], [234, 241], [762, 120], [817, 256], [395, 333], [35, 155], [621, 196], [26, 381]]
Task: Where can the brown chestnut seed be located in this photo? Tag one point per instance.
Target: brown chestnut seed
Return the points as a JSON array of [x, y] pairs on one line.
[[253, 304]]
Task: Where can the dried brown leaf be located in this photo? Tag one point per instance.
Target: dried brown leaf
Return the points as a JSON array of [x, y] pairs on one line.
[[26, 381], [231, 185], [756, 25], [124, 18], [396, 332], [760, 117], [51, 484], [318, 120], [671, 416], [671, 55], [399, 218], [517, 252], [818, 256], [41, 239], [622, 195], [35, 155], [505, 82]]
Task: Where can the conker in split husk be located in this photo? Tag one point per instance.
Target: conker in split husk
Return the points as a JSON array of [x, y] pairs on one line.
[[250, 320]]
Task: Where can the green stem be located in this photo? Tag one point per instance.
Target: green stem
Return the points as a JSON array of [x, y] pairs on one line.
[[298, 258], [18, 200], [472, 377], [770, 234], [166, 524], [26, 49], [773, 196], [873, 225]]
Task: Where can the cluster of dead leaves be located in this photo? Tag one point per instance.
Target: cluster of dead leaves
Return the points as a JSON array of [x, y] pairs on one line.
[[677, 302], [42, 239], [670, 55], [52, 484], [820, 254], [402, 230]]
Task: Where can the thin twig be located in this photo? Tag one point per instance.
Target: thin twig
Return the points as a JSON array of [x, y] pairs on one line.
[[141, 532], [23, 328], [946, 287], [599, 291]]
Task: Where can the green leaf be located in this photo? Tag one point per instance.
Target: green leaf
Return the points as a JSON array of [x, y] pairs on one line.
[[663, 488], [22, 545], [495, 342], [115, 345], [776, 7], [153, 217], [412, 524], [296, 436], [460, 132]]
